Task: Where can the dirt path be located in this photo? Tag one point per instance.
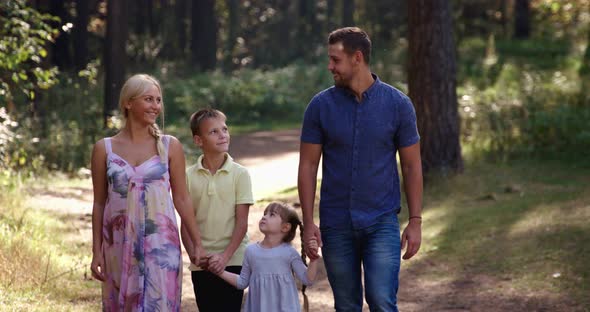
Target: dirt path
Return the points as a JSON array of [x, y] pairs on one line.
[[271, 158]]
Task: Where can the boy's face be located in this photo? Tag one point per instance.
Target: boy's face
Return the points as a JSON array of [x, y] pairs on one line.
[[214, 137]]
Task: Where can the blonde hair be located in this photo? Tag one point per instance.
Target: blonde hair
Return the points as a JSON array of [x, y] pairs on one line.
[[135, 86], [199, 116]]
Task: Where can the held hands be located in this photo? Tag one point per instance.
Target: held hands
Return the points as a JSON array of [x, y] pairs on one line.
[[412, 235], [199, 256], [214, 263], [217, 263], [312, 246], [311, 232]]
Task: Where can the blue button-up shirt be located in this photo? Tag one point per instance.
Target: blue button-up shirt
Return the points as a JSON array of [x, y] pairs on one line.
[[359, 144]]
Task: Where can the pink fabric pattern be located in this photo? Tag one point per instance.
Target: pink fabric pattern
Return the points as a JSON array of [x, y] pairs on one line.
[[141, 244]]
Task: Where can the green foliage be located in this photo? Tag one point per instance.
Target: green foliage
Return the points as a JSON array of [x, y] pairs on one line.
[[62, 136], [247, 96], [24, 33], [522, 98]]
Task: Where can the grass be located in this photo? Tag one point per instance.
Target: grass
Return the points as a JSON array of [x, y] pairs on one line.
[[522, 224], [43, 260]]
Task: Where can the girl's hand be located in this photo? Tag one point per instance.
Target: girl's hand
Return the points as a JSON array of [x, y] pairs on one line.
[[217, 264], [312, 245], [97, 267], [311, 232]]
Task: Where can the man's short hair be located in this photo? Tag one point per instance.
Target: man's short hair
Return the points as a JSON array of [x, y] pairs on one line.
[[353, 39]]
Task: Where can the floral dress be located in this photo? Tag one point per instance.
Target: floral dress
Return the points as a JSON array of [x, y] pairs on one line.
[[141, 245]]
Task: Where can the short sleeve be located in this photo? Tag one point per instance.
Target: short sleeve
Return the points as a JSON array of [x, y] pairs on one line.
[[311, 130], [244, 188], [407, 131]]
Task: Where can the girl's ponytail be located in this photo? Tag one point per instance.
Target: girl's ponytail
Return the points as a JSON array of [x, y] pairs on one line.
[[304, 258]]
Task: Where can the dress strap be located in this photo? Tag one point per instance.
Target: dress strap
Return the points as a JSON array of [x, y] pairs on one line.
[[107, 145], [166, 141]]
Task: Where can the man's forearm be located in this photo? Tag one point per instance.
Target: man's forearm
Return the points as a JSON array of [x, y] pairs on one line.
[[413, 188], [306, 186]]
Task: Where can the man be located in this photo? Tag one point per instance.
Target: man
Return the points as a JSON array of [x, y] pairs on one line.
[[357, 126]]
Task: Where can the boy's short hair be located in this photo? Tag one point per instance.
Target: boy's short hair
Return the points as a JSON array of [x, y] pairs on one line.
[[353, 39], [202, 114]]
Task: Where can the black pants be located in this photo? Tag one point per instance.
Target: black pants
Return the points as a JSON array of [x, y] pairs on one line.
[[213, 294]]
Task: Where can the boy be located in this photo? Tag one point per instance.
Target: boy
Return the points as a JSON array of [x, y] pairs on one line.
[[221, 192]]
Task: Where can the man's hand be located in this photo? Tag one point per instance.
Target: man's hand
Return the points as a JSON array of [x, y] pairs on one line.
[[312, 246], [311, 233], [412, 235]]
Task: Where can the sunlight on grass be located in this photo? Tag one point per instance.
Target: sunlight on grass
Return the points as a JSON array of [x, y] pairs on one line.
[[41, 269], [536, 237]]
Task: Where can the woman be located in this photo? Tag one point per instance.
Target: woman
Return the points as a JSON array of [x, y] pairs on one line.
[[136, 246]]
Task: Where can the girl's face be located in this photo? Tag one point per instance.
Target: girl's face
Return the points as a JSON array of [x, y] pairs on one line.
[[146, 107], [272, 223], [214, 137]]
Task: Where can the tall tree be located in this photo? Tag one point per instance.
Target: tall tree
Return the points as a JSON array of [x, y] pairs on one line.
[[204, 34], [114, 55], [81, 34], [432, 83], [330, 6], [307, 27], [522, 27], [347, 13], [233, 23], [61, 48], [180, 10]]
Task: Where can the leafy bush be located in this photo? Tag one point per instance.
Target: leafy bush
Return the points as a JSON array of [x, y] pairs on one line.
[[247, 95], [526, 108], [24, 32]]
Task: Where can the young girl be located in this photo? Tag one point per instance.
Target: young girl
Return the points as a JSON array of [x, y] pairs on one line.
[[269, 265], [135, 243]]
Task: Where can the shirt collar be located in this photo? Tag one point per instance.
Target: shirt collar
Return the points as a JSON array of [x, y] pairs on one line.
[[227, 164], [370, 92]]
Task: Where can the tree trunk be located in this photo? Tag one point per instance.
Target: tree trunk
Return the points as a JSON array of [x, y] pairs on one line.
[[522, 26], [61, 48], [348, 13], [114, 57], [204, 34], [233, 24], [181, 26], [81, 34], [432, 84], [330, 25]]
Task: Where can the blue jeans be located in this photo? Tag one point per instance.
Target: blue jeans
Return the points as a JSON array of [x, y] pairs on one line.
[[377, 248]]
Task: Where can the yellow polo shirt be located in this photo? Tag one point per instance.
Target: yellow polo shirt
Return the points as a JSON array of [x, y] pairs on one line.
[[214, 201]]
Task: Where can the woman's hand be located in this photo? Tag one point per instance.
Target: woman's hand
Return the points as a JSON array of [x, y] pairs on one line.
[[97, 267]]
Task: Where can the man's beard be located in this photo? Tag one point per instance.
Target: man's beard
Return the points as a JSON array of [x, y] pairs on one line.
[[342, 83]]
